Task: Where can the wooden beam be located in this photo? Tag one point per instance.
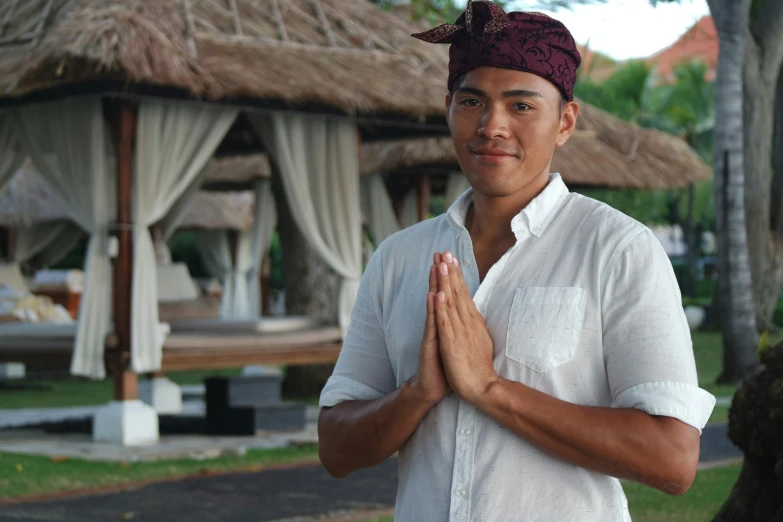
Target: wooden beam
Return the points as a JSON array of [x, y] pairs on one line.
[[423, 192], [125, 381]]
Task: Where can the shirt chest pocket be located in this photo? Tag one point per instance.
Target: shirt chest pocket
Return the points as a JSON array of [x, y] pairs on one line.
[[545, 326]]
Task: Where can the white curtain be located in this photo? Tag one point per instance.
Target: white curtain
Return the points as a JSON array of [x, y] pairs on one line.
[[456, 185], [11, 153], [317, 159], [50, 241], [241, 281], [410, 208], [377, 208], [259, 240], [215, 250], [67, 142], [174, 141]]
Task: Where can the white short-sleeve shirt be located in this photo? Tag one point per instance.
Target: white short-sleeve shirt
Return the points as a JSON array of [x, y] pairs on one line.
[[584, 307]]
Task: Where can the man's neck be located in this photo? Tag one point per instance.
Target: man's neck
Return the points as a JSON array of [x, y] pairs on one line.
[[490, 217]]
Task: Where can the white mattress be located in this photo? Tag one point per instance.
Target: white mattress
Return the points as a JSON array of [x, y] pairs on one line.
[[260, 325], [38, 330]]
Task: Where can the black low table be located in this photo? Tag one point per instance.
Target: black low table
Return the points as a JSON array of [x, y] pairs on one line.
[[249, 404]]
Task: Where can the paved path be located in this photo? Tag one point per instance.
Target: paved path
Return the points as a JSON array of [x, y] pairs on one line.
[[246, 497], [273, 495]]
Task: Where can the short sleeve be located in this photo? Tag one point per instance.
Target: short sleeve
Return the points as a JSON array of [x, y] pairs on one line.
[[363, 370], [647, 344]]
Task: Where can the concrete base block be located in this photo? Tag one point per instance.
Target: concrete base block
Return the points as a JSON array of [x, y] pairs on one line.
[[12, 371], [162, 394], [126, 423]]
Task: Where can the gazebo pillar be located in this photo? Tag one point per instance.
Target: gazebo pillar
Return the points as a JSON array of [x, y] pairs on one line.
[[423, 192], [126, 420], [7, 244]]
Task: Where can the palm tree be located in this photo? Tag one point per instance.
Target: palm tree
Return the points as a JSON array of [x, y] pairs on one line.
[[738, 321]]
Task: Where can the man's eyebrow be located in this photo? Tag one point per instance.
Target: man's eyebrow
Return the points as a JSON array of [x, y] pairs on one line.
[[471, 90], [522, 92], [507, 94]]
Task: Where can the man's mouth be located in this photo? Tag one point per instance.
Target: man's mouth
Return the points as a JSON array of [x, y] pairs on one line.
[[493, 155]]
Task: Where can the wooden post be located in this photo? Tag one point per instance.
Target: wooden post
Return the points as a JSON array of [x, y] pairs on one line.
[[126, 382], [233, 242], [266, 277], [423, 191], [7, 244]]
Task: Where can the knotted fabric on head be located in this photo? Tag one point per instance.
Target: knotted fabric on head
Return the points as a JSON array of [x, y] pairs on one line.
[[530, 42]]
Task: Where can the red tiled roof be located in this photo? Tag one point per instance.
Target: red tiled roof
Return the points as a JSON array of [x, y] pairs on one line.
[[700, 42]]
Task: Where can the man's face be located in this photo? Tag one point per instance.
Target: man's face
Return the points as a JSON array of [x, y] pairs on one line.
[[506, 125]]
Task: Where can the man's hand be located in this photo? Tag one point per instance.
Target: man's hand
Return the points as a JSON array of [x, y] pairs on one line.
[[430, 382], [465, 344]]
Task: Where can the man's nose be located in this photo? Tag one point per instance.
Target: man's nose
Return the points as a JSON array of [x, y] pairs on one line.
[[494, 124]]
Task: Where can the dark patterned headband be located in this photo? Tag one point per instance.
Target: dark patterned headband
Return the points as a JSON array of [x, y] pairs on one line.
[[484, 35]]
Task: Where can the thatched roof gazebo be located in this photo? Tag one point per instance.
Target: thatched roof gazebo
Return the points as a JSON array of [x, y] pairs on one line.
[[165, 85]]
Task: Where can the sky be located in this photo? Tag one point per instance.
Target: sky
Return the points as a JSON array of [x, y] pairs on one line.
[[624, 29]]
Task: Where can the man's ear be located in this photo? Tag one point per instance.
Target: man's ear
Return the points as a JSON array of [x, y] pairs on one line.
[[567, 123]]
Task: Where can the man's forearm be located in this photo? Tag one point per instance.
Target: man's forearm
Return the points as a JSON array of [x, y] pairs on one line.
[[623, 443], [359, 434]]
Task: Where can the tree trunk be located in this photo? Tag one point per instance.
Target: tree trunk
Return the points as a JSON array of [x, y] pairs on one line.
[[738, 319], [755, 427], [761, 74], [310, 289]]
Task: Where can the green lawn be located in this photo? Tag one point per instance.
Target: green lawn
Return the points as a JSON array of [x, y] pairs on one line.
[[28, 475], [699, 504], [73, 391]]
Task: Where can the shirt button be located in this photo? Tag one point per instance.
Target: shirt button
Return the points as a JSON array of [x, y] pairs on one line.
[[465, 431], [461, 492], [468, 262]]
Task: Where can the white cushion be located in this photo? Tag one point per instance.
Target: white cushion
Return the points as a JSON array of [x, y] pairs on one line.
[[175, 283]]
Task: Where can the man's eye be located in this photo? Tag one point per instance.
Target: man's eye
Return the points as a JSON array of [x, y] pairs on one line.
[[522, 106], [470, 102]]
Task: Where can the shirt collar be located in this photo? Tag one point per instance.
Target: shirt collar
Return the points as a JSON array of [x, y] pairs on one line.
[[534, 218]]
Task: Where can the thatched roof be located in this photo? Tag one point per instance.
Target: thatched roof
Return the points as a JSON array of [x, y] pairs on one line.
[[604, 151], [28, 199], [347, 54]]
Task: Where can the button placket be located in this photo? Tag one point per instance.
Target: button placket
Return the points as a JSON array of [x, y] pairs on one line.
[[462, 475]]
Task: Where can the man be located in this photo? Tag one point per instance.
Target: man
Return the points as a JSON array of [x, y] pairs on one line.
[[551, 353]]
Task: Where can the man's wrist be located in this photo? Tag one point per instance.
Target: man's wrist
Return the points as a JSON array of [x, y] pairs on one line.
[[489, 393], [412, 392]]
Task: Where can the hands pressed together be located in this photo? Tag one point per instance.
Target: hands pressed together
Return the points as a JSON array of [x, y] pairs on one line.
[[456, 349]]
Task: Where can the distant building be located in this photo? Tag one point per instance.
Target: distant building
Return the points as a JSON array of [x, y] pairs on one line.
[[699, 43], [595, 66]]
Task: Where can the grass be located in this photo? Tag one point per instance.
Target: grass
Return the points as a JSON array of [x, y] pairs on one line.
[[73, 391], [720, 414], [699, 504], [30, 475]]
